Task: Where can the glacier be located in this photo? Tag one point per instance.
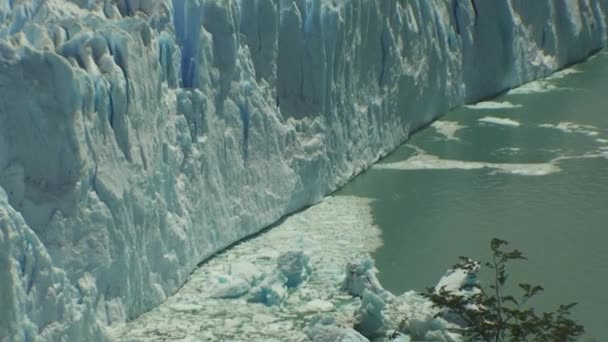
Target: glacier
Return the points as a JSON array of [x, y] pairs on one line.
[[140, 137]]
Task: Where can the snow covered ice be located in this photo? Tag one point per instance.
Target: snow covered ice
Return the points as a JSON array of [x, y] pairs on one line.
[[139, 138]]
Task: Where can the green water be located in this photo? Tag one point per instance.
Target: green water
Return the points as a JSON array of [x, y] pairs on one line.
[[430, 215]]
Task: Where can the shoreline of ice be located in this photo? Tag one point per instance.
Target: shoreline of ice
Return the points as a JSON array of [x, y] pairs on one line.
[[328, 300]]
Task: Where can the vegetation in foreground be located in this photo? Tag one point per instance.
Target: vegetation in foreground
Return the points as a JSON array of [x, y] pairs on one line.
[[488, 314]]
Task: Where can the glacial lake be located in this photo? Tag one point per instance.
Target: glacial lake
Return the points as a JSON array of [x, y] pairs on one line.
[[529, 167]]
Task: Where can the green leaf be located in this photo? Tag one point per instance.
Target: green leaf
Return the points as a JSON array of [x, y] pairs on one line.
[[492, 315]]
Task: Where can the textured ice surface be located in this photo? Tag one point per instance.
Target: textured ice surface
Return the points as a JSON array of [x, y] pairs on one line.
[[499, 121], [361, 277], [295, 266], [318, 232], [138, 138], [318, 309], [326, 329]]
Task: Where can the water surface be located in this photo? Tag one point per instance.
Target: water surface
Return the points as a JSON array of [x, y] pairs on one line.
[[530, 167]]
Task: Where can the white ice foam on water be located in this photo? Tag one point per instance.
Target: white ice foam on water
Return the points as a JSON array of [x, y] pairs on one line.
[[499, 121], [570, 127], [447, 128], [493, 105], [424, 161], [535, 87], [545, 85], [317, 231], [563, 74], [509, 150], [430, 162]]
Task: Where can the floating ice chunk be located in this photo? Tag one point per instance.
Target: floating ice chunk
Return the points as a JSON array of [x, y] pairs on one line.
[[415, 315], [327, 329], [462, 276], [370, 317], [246, 270], [563, 73], [295, 267], [535, 87], [429, 162], [243, 275], [271, 291], [401, 338], [460, 280], [570, 127], [447, 128], [499, 121], [230, 287], [508, 150], [441, 335], [493, 105], [361, 276], [315, 306]]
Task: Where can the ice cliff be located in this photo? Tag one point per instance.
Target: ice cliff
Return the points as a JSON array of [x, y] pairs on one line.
[[139, 137]]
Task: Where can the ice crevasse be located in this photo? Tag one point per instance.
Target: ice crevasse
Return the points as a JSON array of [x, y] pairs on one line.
[[140, 137]]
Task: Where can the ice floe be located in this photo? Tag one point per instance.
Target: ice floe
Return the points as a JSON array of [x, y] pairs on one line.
[[499, 121], [563, 73], [508, 150], [570, 127], [424, 161], [534, 87], [545, 85], [327, 329], [493, 105], [447, 128], [361, 277], [430, 162]]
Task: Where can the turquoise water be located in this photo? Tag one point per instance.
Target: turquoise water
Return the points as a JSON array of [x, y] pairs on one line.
[[538, 179]]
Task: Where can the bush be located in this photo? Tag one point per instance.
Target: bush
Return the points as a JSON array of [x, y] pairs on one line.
[[488, 314]]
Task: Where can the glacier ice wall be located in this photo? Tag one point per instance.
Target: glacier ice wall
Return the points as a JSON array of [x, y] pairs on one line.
[[139, 137]]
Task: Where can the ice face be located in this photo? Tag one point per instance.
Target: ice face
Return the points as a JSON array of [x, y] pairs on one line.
[[138, 138]]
